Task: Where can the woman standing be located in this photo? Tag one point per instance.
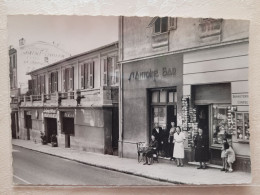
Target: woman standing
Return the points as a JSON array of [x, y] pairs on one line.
[[170, 140], [178, 151], [201, 149]]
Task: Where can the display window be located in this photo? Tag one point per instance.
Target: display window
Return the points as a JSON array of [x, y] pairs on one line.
[[242, 126], [219, 124]]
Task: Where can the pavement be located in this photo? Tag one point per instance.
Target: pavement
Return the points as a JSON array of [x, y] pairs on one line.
[[167, 172], [35, 168]]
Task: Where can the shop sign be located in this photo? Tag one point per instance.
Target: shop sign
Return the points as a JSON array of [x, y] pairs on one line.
[[49, 111], [69, 114], [152, 74], [29, 112], [240, 99]]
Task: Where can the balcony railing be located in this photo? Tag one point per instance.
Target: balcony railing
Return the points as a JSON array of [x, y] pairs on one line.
[[84, 97]]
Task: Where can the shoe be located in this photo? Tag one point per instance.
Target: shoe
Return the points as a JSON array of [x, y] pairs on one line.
[[223, 169], [181, 165], [171, 159], [203, 167], [145, 163], [200, 167], [149, 164], [178, 165], [230, 170]]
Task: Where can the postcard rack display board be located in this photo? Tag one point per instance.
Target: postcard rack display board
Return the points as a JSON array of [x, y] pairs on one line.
[[189, 120]]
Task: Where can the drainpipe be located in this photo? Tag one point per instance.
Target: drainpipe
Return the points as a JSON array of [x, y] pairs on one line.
[[121, 118]]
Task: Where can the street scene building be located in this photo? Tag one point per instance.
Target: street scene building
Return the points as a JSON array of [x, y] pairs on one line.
[[75, 99], [193, 72], [168, 90]]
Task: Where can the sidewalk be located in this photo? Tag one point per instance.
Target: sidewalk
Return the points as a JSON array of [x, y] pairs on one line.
[[157, 171]]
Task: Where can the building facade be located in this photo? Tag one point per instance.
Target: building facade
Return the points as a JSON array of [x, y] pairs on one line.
[[193, 72], [75, 99], [35, 55]]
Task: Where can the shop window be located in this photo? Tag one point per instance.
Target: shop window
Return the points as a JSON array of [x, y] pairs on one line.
[[53, 82], [172, 97], [242, 126], [87, 75], [220, 123], [155, 96], [163, 96], [159, 117]]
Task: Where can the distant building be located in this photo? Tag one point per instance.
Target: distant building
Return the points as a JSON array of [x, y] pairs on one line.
[[14, 91], [31, 56], [75, 99]]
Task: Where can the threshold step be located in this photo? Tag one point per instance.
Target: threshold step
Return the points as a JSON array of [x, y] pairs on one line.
[[208, 165]]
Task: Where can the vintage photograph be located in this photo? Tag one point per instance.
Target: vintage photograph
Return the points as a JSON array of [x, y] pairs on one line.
[[127, 101]]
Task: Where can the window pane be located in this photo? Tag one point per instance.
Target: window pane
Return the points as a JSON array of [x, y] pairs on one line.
[[164, 24], [239, 123], [170, 97], [163, 95], [155, 95], [175, 97], [246, 124], [157, 25]]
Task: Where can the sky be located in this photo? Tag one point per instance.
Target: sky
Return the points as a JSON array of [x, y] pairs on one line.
[[74, 34]]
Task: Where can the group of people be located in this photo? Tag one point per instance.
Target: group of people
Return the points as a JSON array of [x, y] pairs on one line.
[[175, 148]]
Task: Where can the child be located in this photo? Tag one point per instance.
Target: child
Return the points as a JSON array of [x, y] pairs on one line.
[[230, 156], [224, 156]]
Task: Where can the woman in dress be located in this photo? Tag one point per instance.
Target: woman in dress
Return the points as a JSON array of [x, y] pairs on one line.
[[170, 140], [201, 149], [178, 151]]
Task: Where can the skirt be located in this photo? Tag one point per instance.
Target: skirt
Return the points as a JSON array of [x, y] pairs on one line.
[[178, 151]]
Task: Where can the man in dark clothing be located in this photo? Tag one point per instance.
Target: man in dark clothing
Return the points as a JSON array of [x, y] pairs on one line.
[[157, 132], [148, 153]]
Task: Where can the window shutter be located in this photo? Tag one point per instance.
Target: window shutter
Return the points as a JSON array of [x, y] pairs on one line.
[[105, 72], [64, 80], [71, 79], [49, 82], [55, 81], [91, 75], [39, 85], [82, 72], [86, 75], [117, 70], [109, 71], [172, 23]]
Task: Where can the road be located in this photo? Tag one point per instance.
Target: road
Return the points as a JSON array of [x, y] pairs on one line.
[[31, 167]]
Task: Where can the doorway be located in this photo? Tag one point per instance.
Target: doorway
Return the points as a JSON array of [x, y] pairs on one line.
[[115, 130], [50, 128], [28, 125], [68, 130]]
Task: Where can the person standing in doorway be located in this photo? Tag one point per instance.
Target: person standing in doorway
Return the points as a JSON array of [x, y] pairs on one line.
[[157, 132], [201, 149], [178, 151], [170, 140]]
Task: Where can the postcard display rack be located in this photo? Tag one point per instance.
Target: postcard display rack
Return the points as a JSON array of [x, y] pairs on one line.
[[189, 120]]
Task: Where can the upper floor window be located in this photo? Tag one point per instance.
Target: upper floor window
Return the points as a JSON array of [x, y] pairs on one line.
[[68, 79], [53, 82], [111, 72], [162, 25], [87, 75], [38, 84]]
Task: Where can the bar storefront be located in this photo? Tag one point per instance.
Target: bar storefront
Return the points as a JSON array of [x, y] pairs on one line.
[[151, 97]]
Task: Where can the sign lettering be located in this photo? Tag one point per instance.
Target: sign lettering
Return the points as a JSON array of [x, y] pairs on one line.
[[240, 99]]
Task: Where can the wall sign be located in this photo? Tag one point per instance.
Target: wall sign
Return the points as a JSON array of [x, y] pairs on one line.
[[152, 74], [69, 114], [29, 112], [240, 99], [49, 111]]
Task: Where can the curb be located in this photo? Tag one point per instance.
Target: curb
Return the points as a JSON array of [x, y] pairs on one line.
[[109, 168]]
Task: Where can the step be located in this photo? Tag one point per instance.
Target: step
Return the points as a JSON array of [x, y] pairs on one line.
[[208, 165]]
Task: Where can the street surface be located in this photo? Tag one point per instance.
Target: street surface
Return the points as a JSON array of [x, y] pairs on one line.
[[32, 167]]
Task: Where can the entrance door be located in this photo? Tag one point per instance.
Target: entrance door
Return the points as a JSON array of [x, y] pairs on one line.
[[51, 128], [68, 129], [115, 130], [28, 125], [203, 120]]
